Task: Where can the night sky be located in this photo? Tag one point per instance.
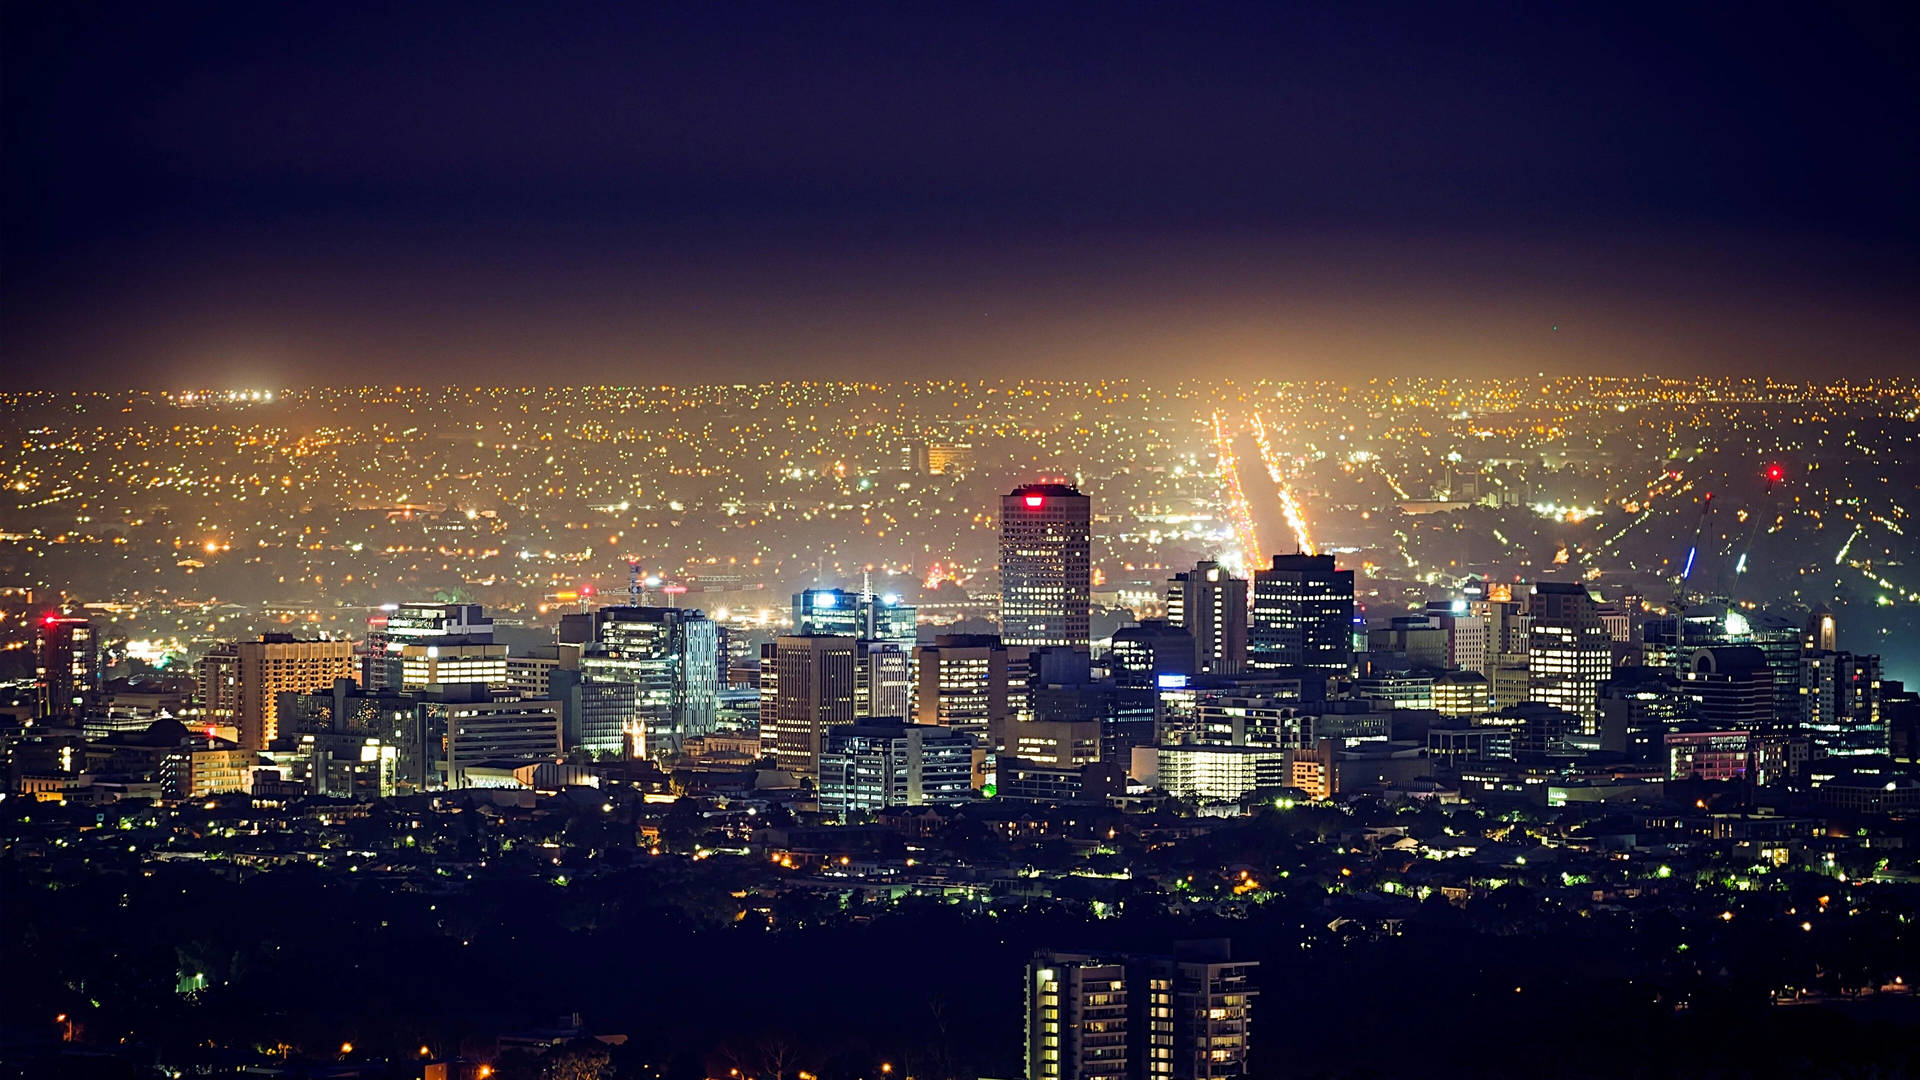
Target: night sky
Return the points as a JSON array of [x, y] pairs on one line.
[[270, 194]]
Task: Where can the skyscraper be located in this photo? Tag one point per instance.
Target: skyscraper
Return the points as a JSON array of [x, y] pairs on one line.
[[1211, 604], [1569, 651], [814, 691], [882, 682], [68, 672], [669, 658], [851, 614], [240, 683], [1302, 615], [1840, 704], [1045, 566], [970, 682], [1821, 633]]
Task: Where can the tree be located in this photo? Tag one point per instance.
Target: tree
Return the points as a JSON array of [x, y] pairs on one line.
[[582, 1059]]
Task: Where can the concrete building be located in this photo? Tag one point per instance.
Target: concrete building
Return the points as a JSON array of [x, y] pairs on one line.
[[1046, 583], [1211, 605], [240, 683], [1569, 651], [67, 668], [1302, 615], [813, 691], [482, 732], [970, 682], [869, 766]]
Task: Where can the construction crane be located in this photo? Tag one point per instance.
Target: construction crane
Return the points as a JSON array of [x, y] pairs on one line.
[[1774, 475], [1693, 551]]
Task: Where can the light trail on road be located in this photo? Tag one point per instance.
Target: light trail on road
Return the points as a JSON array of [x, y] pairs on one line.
[[1289, 505]]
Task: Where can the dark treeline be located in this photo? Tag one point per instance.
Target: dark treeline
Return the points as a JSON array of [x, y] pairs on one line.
[[301, 960]]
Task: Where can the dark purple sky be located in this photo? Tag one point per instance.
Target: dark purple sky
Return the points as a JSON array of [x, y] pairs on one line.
[[280, 193]]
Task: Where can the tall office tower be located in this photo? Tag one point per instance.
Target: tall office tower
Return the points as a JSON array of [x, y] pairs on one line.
[[240, 683], [1078, 1022], [851, 614], [1778, 639], [1046, 583], [67, 674], [1302, 615], [1153, 648], [1732, 688], [971, 683], [882, 683], [1211, 604], [1469, 637], [814, 692], [669, 657], [869, 766], [1821, 633], [1569, 652], [1670, 642], [1840, 704], [1509, 628]]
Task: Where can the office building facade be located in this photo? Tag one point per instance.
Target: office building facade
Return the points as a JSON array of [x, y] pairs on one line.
[[1302, 615], [1046, 585], [813, 691], [1211, 604]]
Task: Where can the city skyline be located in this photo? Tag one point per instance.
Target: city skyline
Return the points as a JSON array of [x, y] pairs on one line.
[[1213, 541]]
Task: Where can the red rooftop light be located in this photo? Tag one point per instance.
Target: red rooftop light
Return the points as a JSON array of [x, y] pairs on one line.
[[1775, 474], [1036, 500]]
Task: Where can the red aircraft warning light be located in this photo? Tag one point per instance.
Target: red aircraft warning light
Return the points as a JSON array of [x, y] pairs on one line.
[[1036, 501], [1775, 474]]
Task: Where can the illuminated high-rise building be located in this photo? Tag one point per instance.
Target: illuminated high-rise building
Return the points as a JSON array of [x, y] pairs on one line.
[[1046, 583], [668, 657], [813, 691], [1302, 615], [1821, 633], [67, 674], [851, 614], [1569, 651], [1469, 641], [1078, 1018], [882, 683], [1731, 688], [1095, 1016], [1840, 704], [970, 682], [240, 683], [1211, 604]]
